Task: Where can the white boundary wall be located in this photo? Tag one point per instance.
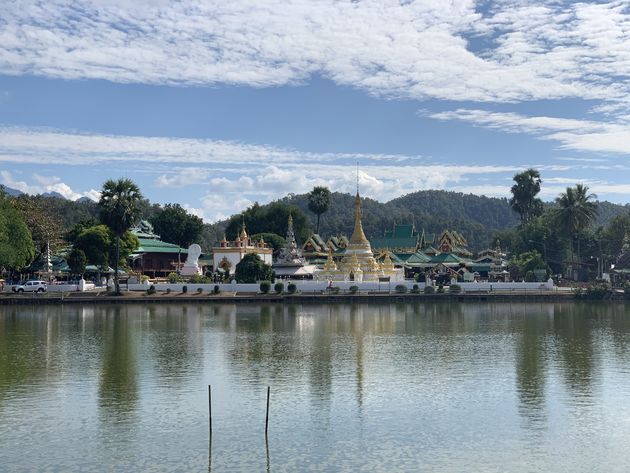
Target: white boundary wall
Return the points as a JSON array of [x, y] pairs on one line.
[[319, 286]]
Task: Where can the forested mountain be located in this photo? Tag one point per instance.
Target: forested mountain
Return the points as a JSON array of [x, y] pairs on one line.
[[478, 218]]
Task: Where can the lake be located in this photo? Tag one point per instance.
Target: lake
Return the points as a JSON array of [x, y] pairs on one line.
[[436, 387]]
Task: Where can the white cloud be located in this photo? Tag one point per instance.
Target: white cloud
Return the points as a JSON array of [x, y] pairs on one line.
[[45, 184], [581, 135], [529, 50]]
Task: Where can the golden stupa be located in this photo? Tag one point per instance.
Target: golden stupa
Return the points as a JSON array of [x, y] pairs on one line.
[[358, 263]]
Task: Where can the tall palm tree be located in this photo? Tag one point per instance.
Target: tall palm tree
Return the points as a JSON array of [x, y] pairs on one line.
[[119, 210], [524, 192], [575, 211], [319, 202]]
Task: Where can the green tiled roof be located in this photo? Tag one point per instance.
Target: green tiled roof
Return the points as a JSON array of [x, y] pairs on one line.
[[447, 258], [418, 258], [406, 242], [150, 245]]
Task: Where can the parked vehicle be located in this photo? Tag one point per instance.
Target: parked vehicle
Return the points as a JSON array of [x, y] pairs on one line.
[[31, 286]]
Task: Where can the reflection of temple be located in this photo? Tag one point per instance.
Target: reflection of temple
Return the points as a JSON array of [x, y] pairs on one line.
[[358, 262]]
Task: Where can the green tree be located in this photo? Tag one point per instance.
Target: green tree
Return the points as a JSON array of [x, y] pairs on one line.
[[95, 243], [574, 213], [128, 244], [77, 261], [175, 225], [524, 192], [528, 262], [43, 221], [276, 242], [319, 202], [72, 235], [119, 209], [16, 245], [272, 218], [252, 269]]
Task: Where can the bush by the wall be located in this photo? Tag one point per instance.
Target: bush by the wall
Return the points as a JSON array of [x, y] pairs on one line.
[[168, 290], [455, 289], [353, 289], [216, 289], [199, 290], [415, 289], [151, 289], [173, 278], [278, 287], [440, 289], [401, 289], [429, 290], [185, 289], [265, 287], [291, 288]]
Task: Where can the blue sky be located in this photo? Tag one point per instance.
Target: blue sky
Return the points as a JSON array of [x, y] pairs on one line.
[[216, 105]]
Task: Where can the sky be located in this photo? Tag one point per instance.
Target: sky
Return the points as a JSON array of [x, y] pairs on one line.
[[219, 104]]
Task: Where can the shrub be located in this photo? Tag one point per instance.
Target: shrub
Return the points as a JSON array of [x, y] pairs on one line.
[[151, 289], [429, 290], [185, 289], [168, 290], [216, 289], [199, 279], [401, 289], [597, 291], [353, 289], [455, 289], [265, 287], [278, 287], [530, 277], [415, 289], [291, 288], [440, 289], [199, 290], [173, 278], [144, 278], [333, 290]]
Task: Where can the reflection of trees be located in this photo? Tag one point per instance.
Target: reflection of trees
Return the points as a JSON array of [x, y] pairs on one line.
[[118, 389], [25, 343], [530, 365], [174, 330], [572, 325]]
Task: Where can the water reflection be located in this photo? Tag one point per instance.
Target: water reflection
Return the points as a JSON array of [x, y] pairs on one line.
[[118, 386], [354, 385]]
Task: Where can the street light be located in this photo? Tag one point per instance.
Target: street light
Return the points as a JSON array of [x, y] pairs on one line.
[[543, 246]]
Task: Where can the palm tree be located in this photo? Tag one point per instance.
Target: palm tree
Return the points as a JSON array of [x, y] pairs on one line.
[[319, 202], [524, 200], [575, 211], [119, 210]]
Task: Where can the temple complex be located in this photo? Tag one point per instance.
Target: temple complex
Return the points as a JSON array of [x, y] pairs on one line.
[[358, 262]]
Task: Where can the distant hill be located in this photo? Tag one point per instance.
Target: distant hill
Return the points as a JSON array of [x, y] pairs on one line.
[[478, 218], [11, 192]]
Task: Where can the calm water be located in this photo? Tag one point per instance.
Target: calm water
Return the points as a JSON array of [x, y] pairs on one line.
[[409, 387]]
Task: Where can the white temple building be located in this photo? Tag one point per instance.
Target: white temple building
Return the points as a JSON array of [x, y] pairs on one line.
[[229, 253], [289, 262]]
